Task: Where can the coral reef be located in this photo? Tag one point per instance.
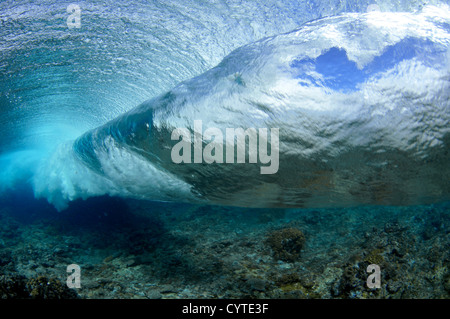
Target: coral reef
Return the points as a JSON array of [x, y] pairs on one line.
[[286, 243], [161, 250], [19, 287], [49, 288], [13, 287]]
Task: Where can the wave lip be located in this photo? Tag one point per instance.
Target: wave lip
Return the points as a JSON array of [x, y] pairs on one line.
[[361, 102]]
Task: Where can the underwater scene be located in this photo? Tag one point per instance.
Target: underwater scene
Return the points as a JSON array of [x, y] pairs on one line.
[[224, 149]]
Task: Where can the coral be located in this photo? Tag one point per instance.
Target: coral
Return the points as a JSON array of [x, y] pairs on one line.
[[349, 282], [286, 243], [257, 284], [295, 286], [447, 283], [175, 255], [289, 278], [18, 287], [44, 288], [374, 257], [12, 287], [353, 283]]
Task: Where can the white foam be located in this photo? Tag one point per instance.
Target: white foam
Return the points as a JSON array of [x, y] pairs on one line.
[[62, 177]]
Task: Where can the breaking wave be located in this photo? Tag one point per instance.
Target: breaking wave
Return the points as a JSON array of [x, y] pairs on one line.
[[361, 101]]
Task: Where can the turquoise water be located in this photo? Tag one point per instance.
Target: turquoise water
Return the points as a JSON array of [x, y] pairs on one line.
[[358, 91]]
